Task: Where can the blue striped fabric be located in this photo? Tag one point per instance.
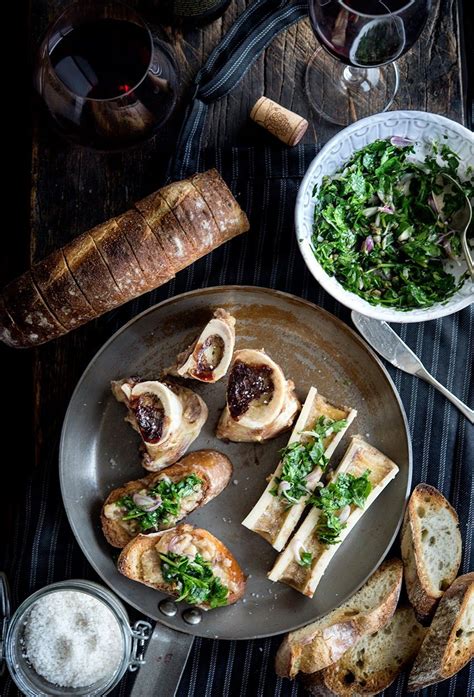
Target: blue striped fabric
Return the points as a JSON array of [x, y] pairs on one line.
[[42, 548]]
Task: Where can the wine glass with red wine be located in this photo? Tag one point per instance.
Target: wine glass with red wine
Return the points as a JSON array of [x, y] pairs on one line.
[[107, 81], [365, 37]]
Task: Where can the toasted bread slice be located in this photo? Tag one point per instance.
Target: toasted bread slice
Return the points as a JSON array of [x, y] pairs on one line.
[[449, 642], [272, 517], [374, 662], [359, 457], [322, 643], [213, 469], [140, 560], [431, 548]]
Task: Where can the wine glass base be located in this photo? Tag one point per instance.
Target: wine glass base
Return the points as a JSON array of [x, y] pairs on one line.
[[343, 94]]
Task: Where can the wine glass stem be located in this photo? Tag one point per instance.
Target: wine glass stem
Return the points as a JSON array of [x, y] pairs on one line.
[[353, 77]]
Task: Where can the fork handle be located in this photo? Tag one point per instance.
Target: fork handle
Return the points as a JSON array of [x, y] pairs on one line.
[[463, 408]]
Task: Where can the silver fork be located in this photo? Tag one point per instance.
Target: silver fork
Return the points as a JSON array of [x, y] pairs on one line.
[[461, 221]]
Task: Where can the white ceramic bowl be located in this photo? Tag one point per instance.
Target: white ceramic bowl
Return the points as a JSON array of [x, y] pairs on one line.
[[422, 128]]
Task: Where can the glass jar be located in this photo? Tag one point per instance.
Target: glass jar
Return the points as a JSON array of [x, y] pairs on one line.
[[34, 685]]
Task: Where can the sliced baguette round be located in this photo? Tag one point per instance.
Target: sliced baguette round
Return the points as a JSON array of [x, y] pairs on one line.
[[374, 662], [214, 468], [449, 642], [322, 643], [142, 550], [431, 548]]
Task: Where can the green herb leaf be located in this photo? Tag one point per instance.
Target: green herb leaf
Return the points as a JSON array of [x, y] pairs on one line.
[[345, 490], [171, 495], [305, 559], [300, 458], [193, 579], [377, 228]]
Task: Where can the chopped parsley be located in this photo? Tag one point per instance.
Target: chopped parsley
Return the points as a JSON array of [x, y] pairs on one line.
[[299, 459], [193, 579], [171, 495], [383, 228], [305, 559], [345, 490]]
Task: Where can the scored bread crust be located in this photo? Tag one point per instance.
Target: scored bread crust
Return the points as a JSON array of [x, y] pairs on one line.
[[61, 292], [129, 561], [449, 641], [420, 589], [230, 218], [179, 248], [192, 213], [323, 642], [214, 468], [29, 312], [373, 663], [92, 274], [10, 333], [148, 249], [120, 259]]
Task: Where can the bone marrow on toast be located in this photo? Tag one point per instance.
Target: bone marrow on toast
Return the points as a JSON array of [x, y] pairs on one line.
[[160, 500], [362, 475], [186, 562], [316, 434], [209, 357], [167, 416], [260, 402]]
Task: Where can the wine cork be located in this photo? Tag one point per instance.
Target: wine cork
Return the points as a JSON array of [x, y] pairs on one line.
[[282, 123]]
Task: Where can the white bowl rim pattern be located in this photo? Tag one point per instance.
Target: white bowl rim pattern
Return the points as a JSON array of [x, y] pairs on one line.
[[383, 123]]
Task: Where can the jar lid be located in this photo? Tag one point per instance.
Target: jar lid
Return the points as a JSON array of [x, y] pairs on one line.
[[5, 614]]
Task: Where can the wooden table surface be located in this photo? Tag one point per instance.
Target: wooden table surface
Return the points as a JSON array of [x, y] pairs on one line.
[[73, 189]]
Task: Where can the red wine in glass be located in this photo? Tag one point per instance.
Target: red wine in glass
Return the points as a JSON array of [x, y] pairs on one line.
[[366, 37], [107, 82], [367, 33]]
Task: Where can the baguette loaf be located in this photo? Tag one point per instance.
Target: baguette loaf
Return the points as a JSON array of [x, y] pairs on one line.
[[374, 662], [431, 548], [322, 643], [120, 259], [449, 642]]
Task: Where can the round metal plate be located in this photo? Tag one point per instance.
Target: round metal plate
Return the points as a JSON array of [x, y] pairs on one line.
[[99, 451]]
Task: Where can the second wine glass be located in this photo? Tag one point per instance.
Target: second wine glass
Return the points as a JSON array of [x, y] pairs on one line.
[[365, 37]]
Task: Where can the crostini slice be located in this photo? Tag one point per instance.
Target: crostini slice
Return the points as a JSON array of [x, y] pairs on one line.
[[323, 642], [449, 642], [316, 435], [373, 663], [168, 417], [160, 500], [362, 475], [187, 563], [431, 548]]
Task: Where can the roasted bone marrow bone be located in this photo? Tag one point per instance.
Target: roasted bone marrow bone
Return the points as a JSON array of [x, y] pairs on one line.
[[209, 357], [260, 402], [168, 418], [160, 500], [315, 436], [187, 563], [362, 475]]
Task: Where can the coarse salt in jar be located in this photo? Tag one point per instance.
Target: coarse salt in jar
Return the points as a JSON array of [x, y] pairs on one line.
[[72, 638]]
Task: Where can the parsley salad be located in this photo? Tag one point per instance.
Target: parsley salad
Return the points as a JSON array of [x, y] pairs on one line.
[[383, 224]]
